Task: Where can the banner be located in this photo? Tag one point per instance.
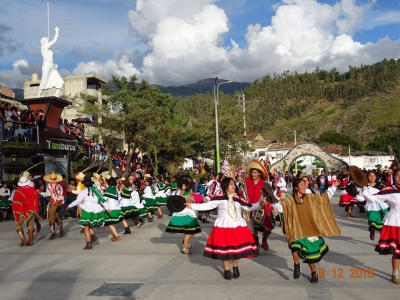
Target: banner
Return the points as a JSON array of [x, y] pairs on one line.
[[57, 165]]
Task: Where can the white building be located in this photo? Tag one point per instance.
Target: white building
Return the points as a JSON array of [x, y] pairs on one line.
[[73, 86]]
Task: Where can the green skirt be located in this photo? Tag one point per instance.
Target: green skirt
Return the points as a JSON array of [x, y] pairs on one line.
[[5, 205], [91, 219], [183, 224], [129, 212], [113, 217], [142, 212], [375, 219], [310, 252], [151, 204], [161, 201]]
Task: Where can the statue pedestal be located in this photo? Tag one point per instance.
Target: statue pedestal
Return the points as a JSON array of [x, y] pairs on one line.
[[52, 108], [51, 137]]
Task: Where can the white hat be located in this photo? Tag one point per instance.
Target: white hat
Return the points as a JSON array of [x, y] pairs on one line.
[[23, 181]]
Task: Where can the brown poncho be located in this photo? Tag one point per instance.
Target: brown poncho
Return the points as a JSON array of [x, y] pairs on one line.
[[313, 217]]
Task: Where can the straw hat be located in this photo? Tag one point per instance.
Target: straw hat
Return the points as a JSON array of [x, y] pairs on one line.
[[25, 174], [256, 164], [97, 176], [147, 176], [52, 177], [23, 181], [80, 176]]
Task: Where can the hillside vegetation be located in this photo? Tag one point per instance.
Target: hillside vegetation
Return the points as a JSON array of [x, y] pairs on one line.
[[362, 106]]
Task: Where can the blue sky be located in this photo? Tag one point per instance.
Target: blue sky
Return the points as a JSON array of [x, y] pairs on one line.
[[177, 42]]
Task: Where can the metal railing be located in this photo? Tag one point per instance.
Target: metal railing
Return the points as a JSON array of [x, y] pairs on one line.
[[16, 131]]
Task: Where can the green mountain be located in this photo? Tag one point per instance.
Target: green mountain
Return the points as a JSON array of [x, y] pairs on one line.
[[360, 107]]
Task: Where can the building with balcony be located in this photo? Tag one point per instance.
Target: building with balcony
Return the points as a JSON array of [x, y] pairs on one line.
[[73, 86]]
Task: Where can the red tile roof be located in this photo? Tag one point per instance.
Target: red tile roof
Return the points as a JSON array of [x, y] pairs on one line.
[[6, 92]]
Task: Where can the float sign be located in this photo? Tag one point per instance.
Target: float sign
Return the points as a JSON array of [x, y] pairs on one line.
[[60, 146]]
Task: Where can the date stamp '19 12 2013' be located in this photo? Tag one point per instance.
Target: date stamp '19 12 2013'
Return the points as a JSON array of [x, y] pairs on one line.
[[352, 273]]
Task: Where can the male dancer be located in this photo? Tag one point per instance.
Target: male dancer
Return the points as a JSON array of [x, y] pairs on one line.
[[25, 207], [55, 192], [254, 184]]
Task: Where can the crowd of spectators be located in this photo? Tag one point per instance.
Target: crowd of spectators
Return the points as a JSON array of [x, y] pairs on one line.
[[12, 119]]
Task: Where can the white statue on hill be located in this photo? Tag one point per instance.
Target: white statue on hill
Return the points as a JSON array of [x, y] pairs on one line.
[[50, 76]]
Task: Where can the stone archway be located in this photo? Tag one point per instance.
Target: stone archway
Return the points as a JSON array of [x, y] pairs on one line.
[[310, 149]]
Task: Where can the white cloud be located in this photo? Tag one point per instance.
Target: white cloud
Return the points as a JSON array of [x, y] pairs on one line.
[[121, 67], [20, 70]]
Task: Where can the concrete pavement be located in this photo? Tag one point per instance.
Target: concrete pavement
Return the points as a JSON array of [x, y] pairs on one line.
[[148, 265]]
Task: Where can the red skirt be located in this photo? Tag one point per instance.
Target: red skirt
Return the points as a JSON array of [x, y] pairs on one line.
[[389, 241], [346, 199], [230, 243]]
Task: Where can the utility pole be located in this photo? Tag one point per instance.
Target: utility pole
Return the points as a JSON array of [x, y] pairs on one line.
[[295, 142], [349, 156]]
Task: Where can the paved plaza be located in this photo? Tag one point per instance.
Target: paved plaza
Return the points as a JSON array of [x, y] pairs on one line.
[[148, 265]]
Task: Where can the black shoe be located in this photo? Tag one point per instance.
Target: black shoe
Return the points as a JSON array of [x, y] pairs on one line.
[[205, 220], [127, 230], [88, 246], [236, 273], [362, 210], [296, 272], [227, 275], [53, 236], [372, 235], [94, 239], [314, 277]]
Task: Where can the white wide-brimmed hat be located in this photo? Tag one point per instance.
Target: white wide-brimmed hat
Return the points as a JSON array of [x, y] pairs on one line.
[[23, 181]]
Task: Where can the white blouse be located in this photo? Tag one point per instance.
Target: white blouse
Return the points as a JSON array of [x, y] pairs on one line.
[[224, 220], [392, 218]]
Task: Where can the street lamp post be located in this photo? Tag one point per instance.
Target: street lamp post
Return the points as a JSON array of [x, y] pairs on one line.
[[217, 161], [242, 105]]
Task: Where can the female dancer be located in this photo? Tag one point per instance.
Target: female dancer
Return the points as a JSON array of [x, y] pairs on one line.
[[92, 214], [230, 238], [389, 241], [150, 199], [375, 210], [113, 215], [5, 203], [137, 203], [126, 203], [307, 217], [185, 221], [345, 199]]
